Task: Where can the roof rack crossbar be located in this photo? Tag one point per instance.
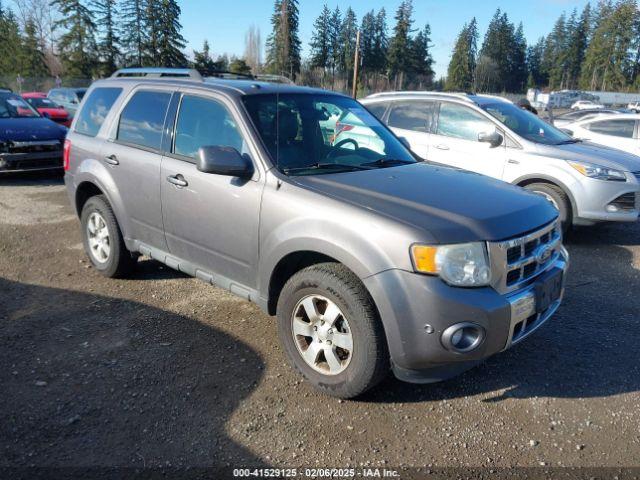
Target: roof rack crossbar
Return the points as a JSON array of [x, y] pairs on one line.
[[461, 96], [154, 72]]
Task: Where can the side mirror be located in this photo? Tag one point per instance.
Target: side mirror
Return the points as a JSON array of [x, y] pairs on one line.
[[494, 138], [224, 161], [405, 142]]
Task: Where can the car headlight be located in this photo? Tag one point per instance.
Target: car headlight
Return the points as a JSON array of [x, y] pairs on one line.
[[599, 172], [461, 265]]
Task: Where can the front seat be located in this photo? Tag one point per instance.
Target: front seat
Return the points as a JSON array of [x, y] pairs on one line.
[[290, 152]]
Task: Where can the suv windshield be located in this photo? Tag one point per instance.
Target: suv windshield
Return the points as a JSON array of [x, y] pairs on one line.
[[526, 124], [308, 134], [13, 106]]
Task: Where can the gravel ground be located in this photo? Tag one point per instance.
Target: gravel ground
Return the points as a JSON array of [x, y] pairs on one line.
[[162, 370]]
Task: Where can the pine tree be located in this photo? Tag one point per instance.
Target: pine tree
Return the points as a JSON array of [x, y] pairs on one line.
[[421, 61], [577, 42], [170, 40], [349, 30], [283, 45], [32, 62], [239, 65], [321, 41], [367, 39], [152, 22], [203, 62], [77, 45], [132, 15], [538, 77], [497, 54], [108, 47], [335, 36], [10, 41], [462, 66], [518, 61], [399, 45], [378, 61], [554, 53]]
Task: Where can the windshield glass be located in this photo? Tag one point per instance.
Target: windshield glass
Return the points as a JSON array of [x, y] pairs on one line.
[[38, 102], [526, 124], [309, 134], [13, 106], [80, 93]]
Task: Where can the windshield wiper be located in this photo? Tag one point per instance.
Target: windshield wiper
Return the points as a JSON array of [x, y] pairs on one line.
[[326, 166], [388, 162], [567, 142]]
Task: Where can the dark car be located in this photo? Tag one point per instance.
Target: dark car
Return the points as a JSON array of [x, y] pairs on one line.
[[28, 141]]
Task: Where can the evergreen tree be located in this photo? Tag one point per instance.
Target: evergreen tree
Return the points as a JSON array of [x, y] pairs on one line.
[[421, 61], [537, 75], [283, 45], [321, 40], [554, 53], [518, 62], [335, 37], [378, 62], [461, 68], [108, 47], [367, 39], [32, 62], [152, 22], [399, 55], [497, 53], [10, 41], [577, 42], [77, 45], [132, 14], [239, 65], [349, 31], [203, 62], [170, 40]]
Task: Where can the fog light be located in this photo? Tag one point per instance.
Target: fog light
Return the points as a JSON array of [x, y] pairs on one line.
[[612, 208], [463, 337]]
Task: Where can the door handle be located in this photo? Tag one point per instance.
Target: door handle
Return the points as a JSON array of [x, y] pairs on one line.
[[442, 147], [177, 180], [111, 160], [513, 162]]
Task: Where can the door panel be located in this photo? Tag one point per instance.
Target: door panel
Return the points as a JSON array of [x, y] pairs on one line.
[[213, 220], [134, 159], [455, 141], [413, 121]]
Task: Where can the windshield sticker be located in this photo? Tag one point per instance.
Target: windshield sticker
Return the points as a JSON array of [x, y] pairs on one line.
[[17, 103]]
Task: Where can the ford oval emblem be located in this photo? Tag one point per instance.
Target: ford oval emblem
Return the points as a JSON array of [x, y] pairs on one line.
[[544, 254]]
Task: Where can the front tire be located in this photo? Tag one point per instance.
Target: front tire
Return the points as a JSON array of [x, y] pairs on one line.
[[102, 239], [330, 330], [558, 198]]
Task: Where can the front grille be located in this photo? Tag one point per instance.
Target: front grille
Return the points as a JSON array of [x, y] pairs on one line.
[[626, 201], [37, 164], [518, 261], [35, 146]]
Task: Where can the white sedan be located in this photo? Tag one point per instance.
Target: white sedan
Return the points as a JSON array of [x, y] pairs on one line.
[[617, 131], [585, 104]]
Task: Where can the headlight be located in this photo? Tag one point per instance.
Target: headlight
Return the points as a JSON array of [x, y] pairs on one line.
[[596, 171], [461, 265]]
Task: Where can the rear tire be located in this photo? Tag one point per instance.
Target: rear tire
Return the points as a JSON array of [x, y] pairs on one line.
[[102, 239], [341, 338], [558, 198]]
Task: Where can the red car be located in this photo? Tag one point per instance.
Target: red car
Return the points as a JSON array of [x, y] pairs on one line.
[[48, 108]]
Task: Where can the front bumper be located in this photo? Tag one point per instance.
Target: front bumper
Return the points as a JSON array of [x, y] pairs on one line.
[[594, 200], [417, 309], [29, 161]]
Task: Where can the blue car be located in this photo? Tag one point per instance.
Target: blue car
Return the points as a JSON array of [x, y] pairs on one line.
[[28, 141]]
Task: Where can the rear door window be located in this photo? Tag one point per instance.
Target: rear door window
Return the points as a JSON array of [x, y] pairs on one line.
[[142, 119], [461, 122], [204, 122], [95, 110], [615, 128], [414, 116]]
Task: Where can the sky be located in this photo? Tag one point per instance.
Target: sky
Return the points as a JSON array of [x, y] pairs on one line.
[[225, 22]]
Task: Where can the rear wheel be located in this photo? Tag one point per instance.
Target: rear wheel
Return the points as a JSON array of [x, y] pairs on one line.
[[103, 240], [330, 330], [558, 198]]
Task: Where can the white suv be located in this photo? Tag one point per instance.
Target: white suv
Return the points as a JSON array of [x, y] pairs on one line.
[[490, 135], [585, 104]]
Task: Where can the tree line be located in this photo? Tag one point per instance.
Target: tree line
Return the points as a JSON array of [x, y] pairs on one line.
[[597, 48]]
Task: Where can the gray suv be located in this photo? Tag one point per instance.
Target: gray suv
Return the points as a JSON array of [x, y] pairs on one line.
[[370, 259]]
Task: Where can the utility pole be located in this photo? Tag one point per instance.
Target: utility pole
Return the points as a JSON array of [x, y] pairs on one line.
[[356, 64]]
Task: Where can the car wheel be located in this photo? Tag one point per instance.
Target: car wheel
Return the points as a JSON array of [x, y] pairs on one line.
[[103, 240], [558, 199], [330, 330]]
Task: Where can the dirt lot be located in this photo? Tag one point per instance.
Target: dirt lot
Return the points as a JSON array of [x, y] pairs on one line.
[[165, 371]]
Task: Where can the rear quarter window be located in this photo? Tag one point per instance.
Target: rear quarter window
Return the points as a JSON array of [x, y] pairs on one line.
[[95, 110], [142, 119]]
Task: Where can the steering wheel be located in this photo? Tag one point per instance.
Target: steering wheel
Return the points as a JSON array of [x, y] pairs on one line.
[[340, 144]]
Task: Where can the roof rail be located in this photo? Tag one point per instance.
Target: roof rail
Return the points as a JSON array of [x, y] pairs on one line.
[[155, 72], [230, 75], [459, 95]]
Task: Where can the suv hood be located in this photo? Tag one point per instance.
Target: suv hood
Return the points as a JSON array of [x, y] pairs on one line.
[[28, 129], [450, 205], [592, 153]]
